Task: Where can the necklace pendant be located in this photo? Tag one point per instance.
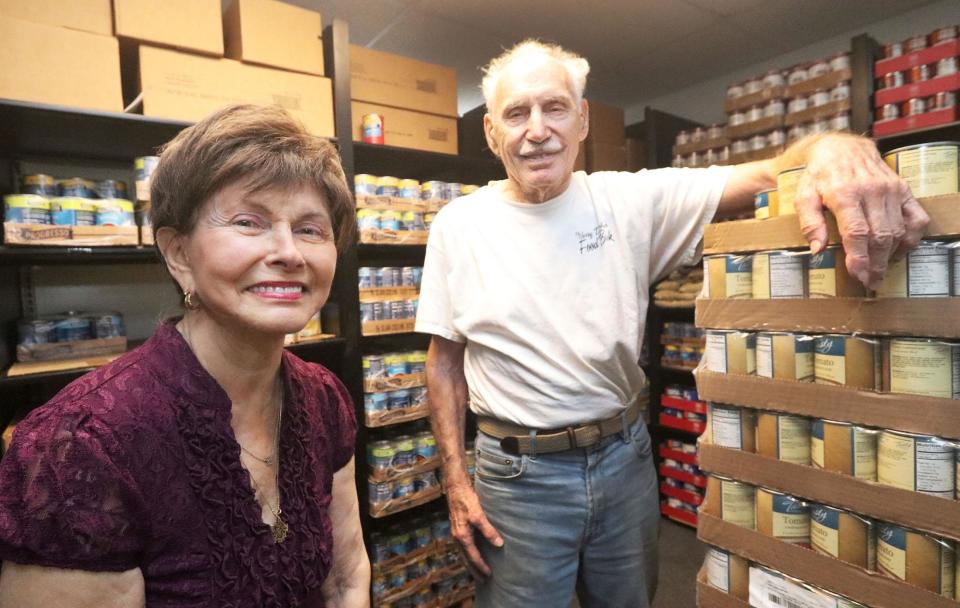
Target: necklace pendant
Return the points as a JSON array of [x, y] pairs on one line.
[[279, 530]]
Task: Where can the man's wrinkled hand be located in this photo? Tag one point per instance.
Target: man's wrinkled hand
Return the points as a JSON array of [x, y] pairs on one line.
[[466, 515]]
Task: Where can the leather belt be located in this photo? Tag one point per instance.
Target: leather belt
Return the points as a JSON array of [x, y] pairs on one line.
[[515, 439]]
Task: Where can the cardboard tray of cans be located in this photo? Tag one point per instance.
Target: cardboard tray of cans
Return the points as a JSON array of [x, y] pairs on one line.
[[389, 417], [393, 383], [873, 316], [931, 54], [819, 113], [745, 101], [783, 232], [430, 464], [457, 596], [752, 155], [927, 88], [373, 294], [396, 203], [709, 596], [421, 583], [764, 125], [912, 413], [701, 146], [917, 121], [395, 505], [870, 588], [387, 327], [437, 547], [381, 236], [933, 514], [77, 349], [146, 235], [826, 81], [45, 235]]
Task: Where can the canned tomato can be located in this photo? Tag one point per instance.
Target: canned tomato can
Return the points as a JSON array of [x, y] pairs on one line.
[[753, 85], [715, 131], [818, 98], [425, 481], [840, 92], [434, 190], [368, 219], [728, 276], [683, 137], [784, 437], [917, 558], [929, 169], [919, 73], [26, 209], [697, 135], [893, 49], [734, 91], [943, 34], [796, 132], [399, 310], [892, 80], [785, 356], [365, 184], [732, 427], [773, 79], [889, 111], [39, 184], [754, 113], [919, 463], [917, 366], [377, 311], [373, 367], [840, 122], [783, 517], [796, 104], [915, 106], [766, 204], [944, 99], [779, 275], [787, 182], [395, 364], [775, 107], [757, 142], [728, 572], [366, 312], [844, 448], [915, 43], [372, 129], [730, 351], [796, 75], [425, 445], [817, 69], [112, 188], [847, 361], [843, 535], [737, 500], [923, 273], [947, 66], [73, 327], [365, 275], [737, 118], [377, 402], [840, 61]]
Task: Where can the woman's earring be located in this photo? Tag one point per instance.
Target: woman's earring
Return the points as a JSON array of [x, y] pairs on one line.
[[189, 302]]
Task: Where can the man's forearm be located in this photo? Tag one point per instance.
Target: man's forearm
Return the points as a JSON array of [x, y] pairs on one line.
[[447, 399]]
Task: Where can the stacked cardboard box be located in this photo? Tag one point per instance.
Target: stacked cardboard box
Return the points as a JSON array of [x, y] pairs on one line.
[[935, 416], [417, 100], [605, 148]]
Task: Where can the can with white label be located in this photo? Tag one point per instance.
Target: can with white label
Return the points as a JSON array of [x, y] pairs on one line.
[[729, 351], [847, 361], [787, 182], [843, 535], [783, 517], [923, 273], [827, 276], [728, 276], [779, 275], [737, 500], [733, 427], [917, 558], [728, 572], [929, 169], [844, 448], [784, 436], [785, 356], [918, 463], [916, 366]]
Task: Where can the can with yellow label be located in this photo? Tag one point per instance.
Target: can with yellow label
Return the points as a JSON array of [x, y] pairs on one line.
[[919, 463], [737, 500], [917, 558], [917, 366], [728, 277], [787, 182], [783, 517], [843, 535], [844, 448], [929, 169], [784, 437], [847, 361]]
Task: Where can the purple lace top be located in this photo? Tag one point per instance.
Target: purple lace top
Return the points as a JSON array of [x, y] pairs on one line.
[[135, 465]]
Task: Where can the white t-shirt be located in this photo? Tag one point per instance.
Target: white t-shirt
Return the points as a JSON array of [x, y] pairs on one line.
[[551, 299]]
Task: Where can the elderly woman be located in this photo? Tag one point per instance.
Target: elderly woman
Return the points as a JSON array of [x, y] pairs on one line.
[[209, 467]]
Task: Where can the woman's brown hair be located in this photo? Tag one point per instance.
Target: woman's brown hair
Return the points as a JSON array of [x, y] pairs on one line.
[[264, 147]]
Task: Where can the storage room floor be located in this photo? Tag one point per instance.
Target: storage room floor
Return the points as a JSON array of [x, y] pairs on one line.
[[681, 556]]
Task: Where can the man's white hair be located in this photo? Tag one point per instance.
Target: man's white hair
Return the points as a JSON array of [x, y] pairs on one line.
[[576, 66]]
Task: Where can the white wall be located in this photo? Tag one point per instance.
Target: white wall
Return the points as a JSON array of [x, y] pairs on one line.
[[703, 102]]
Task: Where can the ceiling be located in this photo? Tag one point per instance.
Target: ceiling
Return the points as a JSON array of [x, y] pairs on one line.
[[638, 49]]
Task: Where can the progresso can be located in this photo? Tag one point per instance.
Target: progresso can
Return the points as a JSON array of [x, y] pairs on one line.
[[372, 129]]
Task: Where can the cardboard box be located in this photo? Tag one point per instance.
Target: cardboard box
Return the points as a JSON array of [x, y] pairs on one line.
[[406, 129], [47, 64], [189, 87], [913, 413], [936, 515], [194, 25], [870, 588], [711, 597], [94, 16], [636, 154], [274, 33], [783, 232], [606, 124], [879, 317], [581, 163], [605, 157], [384, 78]]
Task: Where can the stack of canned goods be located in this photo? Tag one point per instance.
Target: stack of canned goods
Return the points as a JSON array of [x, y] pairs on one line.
[[917, 73], [389, 310], [709, 143], [70, 202], [144, 167], [402, 399], [387, 185], [390, 276], [390, 457], [388, 365], [681, 349], [70, 327], [919, 42]]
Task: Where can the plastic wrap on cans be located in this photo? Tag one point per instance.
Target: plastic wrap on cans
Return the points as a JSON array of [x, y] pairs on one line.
[[372, 129], [114, 212], [915, 43], [784, 437], [365, 184], [728, 572], [843, 535], [409, 188], [737, 500], [387, 185], [36, 331], [785, 356], [827, 276], [39, 184], [943, 34], [730, 351], [929, 169], [847, 361], [728, 276], [917, 558], [732, 427], [26, 209], [779, 275], [919, 463], [73, 211], [787, 189], [844, 448], [923, 273], [783, 517], [108, 325], [917, 366], [772, 589], [434, 190], [368, 219]]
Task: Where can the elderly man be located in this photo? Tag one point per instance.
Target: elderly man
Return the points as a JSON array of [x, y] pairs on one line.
[[535, 292]]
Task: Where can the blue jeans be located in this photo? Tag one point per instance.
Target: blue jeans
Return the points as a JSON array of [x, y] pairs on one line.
[[585, 520]]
